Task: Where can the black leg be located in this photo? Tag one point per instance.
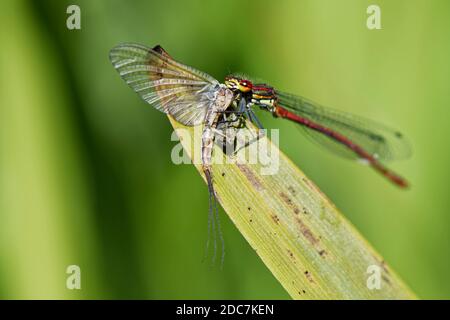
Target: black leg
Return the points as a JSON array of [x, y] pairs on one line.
[[242, 105], [256, 120]]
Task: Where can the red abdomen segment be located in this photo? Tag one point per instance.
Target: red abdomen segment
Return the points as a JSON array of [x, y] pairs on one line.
[[374, 163]]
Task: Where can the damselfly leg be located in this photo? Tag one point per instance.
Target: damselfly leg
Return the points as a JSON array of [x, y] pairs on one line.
[[231, 136]]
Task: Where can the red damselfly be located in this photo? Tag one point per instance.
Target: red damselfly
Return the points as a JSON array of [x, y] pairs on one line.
[[349, 135]]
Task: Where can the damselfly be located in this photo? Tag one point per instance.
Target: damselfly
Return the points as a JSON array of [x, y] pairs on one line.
[[194, 98], [347, 134]]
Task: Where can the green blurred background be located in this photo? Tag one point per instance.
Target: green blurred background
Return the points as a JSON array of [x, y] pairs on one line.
[[85, 170]]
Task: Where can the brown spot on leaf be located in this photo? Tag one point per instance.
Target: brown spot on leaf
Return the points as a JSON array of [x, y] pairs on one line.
[[307, 233], [309, 277], [289, 202], [291, 190], [290, 254], [250, 176], [275, 218], [285, 198], [386, 279], [384, 266], [312, 239]]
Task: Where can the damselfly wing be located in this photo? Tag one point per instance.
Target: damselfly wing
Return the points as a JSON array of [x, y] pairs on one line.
[[378, 140]]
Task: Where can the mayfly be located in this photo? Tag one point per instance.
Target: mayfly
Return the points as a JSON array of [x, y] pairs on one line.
[[193, 98], [190, 96]]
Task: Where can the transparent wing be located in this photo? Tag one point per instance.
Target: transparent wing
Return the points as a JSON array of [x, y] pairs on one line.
[[381, 142], [171, 87]]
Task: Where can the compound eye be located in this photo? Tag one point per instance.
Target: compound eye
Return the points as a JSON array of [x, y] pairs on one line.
[[246, 84]]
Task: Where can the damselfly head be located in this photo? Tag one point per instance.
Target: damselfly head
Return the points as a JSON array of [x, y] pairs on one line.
[[238, 84]]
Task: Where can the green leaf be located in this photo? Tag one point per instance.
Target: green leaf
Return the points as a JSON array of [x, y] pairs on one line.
[[307, 244]]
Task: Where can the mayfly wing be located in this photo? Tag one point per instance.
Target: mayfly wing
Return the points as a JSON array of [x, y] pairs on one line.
[[381, 142], [169, 86]]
